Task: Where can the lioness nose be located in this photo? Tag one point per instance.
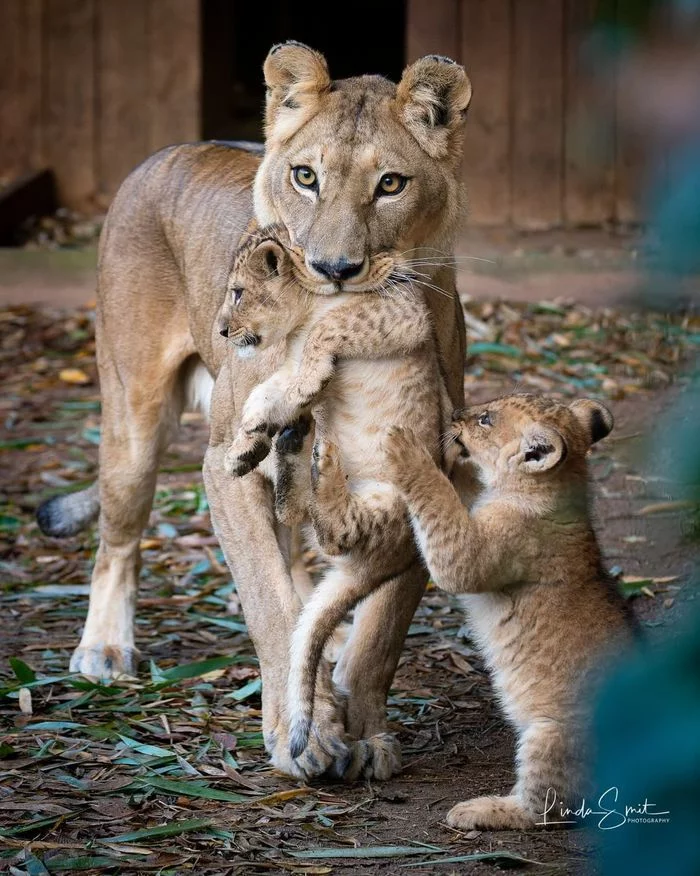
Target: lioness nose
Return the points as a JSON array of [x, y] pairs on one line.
[[340, 270]]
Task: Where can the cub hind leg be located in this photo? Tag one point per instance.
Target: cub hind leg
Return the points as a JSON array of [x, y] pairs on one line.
[[292, 502], [550, 779], [344, 519]]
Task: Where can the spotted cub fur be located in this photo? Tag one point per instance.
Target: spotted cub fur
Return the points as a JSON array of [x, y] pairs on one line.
[[358, 361], [542, 609]]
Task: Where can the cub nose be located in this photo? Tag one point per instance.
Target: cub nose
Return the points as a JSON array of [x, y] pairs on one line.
[[342, 269], [457, 414]]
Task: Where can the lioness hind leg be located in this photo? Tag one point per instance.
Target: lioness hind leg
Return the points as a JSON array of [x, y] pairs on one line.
[[136, 426]]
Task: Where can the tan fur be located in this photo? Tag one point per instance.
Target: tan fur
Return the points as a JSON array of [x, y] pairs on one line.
[[165, 254], [542, 609], [359, 360]]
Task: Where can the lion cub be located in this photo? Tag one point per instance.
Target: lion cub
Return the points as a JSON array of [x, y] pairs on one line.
[[542, 608], [360, 361]]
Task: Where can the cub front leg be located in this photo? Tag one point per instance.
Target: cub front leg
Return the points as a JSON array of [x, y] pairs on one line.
[[253, 440]]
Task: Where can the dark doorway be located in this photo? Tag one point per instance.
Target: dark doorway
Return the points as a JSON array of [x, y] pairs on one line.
[[356, 37]]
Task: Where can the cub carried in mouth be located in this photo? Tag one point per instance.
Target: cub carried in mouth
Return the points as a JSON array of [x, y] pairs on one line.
[[542, 609], [358, 361]]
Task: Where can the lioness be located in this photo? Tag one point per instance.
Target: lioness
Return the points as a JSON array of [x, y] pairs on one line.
[[541, 606], [352, 168]]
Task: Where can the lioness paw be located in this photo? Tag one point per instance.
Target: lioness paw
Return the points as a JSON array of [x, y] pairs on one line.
[[490, 813], [378, 757], [326, 751], [105, 661]]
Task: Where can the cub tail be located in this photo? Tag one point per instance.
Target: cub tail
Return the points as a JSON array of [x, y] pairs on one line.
[[63, 516], [336, 594]]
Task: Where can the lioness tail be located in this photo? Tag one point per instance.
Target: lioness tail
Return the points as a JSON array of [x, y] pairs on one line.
[[62, 516]]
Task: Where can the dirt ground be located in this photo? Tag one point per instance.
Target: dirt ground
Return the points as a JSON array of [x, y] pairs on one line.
[[75, 796]]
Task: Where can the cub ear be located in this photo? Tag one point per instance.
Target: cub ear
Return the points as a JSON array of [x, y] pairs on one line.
[[541, 448], [596, 419], [267, 260], [433, 97], [295, 76]]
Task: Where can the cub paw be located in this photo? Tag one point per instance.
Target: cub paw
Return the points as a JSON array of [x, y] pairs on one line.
[[246, 453], [378, 757], [490, 813], [105, 661], [403, 452], [325, 464]]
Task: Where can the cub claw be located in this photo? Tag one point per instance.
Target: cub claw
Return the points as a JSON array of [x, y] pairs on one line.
[[239, 463]]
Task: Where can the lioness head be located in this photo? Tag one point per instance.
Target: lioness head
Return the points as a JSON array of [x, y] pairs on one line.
[[527, 435], [264, 300], [357, 168]]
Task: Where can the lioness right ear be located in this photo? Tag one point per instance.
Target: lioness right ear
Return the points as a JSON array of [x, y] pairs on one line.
[[295, 76], [433, 97]]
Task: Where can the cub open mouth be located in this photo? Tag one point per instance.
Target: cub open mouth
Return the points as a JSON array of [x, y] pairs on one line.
[[246, 339]]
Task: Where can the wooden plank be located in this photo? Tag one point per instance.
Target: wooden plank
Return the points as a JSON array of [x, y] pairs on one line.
[[537, 164], [122, 97], [69, 98], [432, 28], [486, 53], [20, 87], [629, 155], [589, 169], [175, 54]]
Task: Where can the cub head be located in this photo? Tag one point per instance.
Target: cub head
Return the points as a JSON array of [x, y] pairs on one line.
[[526, 436], [360, 168], [264, 302]]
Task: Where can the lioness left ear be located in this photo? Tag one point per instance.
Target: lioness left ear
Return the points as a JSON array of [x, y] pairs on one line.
[[595, 418], [296, 76], [433, 97], [541, 448]]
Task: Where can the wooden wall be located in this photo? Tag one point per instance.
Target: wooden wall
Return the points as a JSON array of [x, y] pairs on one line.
[[91, 87], [535, 155]]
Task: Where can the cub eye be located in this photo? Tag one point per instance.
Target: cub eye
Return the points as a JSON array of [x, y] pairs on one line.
[[305, 177], [391, 184], [484, 420], [237, 295]]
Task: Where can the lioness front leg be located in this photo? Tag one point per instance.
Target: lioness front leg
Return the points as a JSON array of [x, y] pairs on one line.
[[244, 522]]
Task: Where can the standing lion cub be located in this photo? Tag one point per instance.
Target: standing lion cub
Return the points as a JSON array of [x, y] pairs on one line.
[[542, 609]]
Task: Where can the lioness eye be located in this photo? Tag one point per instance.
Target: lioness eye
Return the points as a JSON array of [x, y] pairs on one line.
[[484, 419], [391, 184], [237, 295], [305, 177]]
